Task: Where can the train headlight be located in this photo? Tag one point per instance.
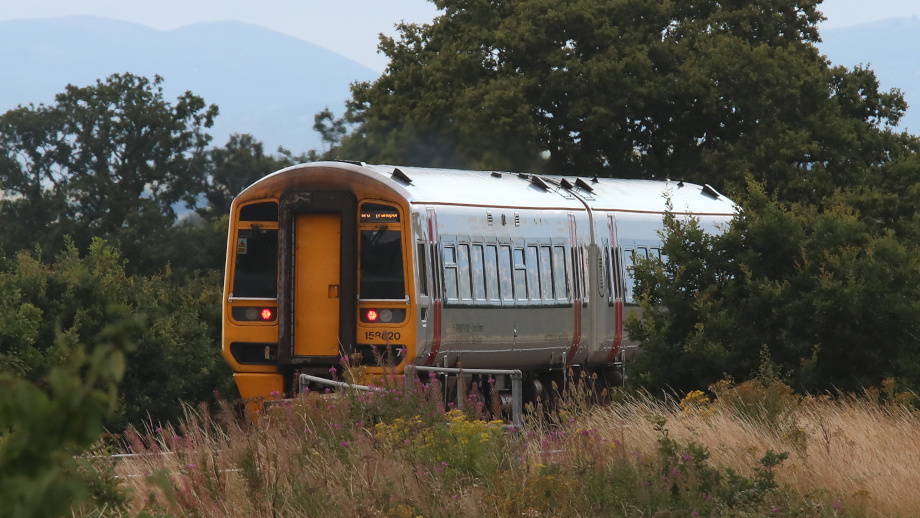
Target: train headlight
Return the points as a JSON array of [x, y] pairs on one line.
[[386, 315]]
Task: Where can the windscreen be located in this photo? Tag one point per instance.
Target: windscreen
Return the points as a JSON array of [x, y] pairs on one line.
[[382, 264]]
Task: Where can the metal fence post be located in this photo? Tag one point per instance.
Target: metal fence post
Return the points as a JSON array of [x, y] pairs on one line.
[[517, 398]]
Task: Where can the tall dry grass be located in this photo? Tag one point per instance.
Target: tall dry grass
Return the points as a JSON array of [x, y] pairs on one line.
[[398, 454], [853, 451]]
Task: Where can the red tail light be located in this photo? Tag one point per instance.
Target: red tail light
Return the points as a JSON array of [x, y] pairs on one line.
[[267, 314], [371, 315]]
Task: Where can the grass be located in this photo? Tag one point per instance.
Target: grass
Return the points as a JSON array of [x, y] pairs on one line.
[[755, 449]]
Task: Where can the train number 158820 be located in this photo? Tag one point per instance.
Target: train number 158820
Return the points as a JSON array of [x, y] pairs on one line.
[[381, 335]]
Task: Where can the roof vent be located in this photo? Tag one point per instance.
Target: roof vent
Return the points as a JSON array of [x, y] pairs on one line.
[[584, 185], [565, 184], [709, 191], [523, 175], [489, 217], [401, 176], [496, 175], [538, 182]]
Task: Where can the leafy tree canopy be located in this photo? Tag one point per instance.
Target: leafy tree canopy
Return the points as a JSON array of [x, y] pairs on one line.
[[829, 299], [104, 160], [704, 91]]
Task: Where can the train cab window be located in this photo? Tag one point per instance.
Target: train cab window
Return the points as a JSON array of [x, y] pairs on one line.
[[546, 273], [520, 275], [607, 269], [463, 278], [559, 277], [450, 272], [504, 273], [422, 253], [491, 272], [382, 264], [255, 274], [477, 272]]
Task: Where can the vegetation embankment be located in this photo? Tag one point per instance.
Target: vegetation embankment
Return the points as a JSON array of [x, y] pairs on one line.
[[752, 450]]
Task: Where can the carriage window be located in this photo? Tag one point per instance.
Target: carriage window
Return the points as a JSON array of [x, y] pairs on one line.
[[382, 264], [450, 272], [477, 272], [504, 270], [491, 271], [629, 259], [546, 273], [463, 277], [559, 273], [256, 272], [533, 273], [520, 275]]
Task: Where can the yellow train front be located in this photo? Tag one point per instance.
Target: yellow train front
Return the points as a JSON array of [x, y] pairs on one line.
[[485, 269]]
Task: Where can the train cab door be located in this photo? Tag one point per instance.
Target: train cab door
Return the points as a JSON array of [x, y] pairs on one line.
[[317, 284], [317, 278]]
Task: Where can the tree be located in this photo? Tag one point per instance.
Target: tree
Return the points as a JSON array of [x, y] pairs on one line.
[[42, 427], [55, 306], [102, 161], [829, 298], [704, 91]]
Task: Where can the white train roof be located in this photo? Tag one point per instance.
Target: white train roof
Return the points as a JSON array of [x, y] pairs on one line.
[[523, 190]]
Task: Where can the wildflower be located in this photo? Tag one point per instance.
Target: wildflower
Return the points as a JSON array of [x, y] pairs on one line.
[[330, 407], [345, 444], [687, 457], [306, 390], [159, 429], [192, 466], [332, 370], [275, 393]]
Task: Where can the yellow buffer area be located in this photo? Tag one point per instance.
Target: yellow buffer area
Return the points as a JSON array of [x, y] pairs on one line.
[[316, 284]]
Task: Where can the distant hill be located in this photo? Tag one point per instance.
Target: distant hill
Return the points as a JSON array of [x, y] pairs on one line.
[[270, 85], [889, 47], [265, 83]]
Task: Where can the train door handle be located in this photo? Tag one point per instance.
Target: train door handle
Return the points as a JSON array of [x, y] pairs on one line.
[[333, 291]]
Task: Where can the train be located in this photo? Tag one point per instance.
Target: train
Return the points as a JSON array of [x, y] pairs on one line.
[[483, 269]]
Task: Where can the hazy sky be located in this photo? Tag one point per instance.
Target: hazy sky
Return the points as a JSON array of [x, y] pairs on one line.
[[348, 27]]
